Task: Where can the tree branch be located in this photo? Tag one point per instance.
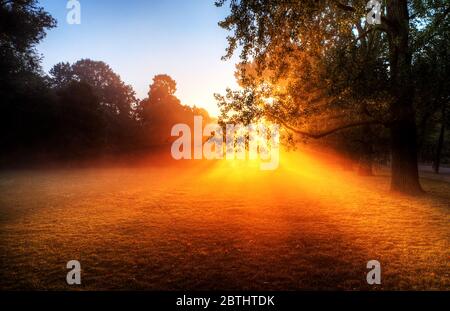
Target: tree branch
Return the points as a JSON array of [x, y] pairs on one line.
[[371, 29], [385, 22], [326, 132], [344, 7]]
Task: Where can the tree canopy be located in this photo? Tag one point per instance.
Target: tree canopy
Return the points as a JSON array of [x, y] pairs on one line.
[[326, 69]]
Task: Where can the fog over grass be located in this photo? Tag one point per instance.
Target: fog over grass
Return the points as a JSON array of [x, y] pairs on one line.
[[219, 225]]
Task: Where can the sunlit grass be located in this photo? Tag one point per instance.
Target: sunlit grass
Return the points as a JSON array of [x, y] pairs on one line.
[[220, 225]]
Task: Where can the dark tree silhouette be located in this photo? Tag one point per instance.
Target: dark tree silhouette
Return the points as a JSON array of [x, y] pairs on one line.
[[162, 110], [22, 88], [267, 32], [79, 120], [116, 100]]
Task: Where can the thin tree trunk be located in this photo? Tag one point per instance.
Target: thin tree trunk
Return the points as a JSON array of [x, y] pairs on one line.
[[365, 167], [405, 174], [346, 161], [366, 156], [437, 160]]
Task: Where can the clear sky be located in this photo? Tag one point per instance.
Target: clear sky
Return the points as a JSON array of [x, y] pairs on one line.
[[142, 38]]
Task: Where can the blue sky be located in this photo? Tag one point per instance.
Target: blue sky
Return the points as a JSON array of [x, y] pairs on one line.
[[142, 38]]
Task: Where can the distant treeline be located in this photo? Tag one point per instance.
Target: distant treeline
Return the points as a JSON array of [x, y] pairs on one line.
[[78, 110], [84, 109]]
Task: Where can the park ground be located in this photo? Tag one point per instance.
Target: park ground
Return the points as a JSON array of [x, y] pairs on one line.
[[157, 225]]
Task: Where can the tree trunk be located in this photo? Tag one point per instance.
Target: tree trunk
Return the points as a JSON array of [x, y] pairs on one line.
[[405, 174], [437, 159], [365, 167], [404, 170], [366, 156]]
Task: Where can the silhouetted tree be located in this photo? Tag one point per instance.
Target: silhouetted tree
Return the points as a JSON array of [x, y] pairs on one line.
[[22, 87], [81, 109], [268, 31], [162, 110], [80, 122], [116, 100]]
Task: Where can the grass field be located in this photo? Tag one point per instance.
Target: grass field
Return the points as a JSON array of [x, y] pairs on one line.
[[219, 225]]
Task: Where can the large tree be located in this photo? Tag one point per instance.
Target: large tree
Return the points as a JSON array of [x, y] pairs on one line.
[[116, 100], [268, 31], [161, 110], [22, 26], [22, 87], [114, 94]]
